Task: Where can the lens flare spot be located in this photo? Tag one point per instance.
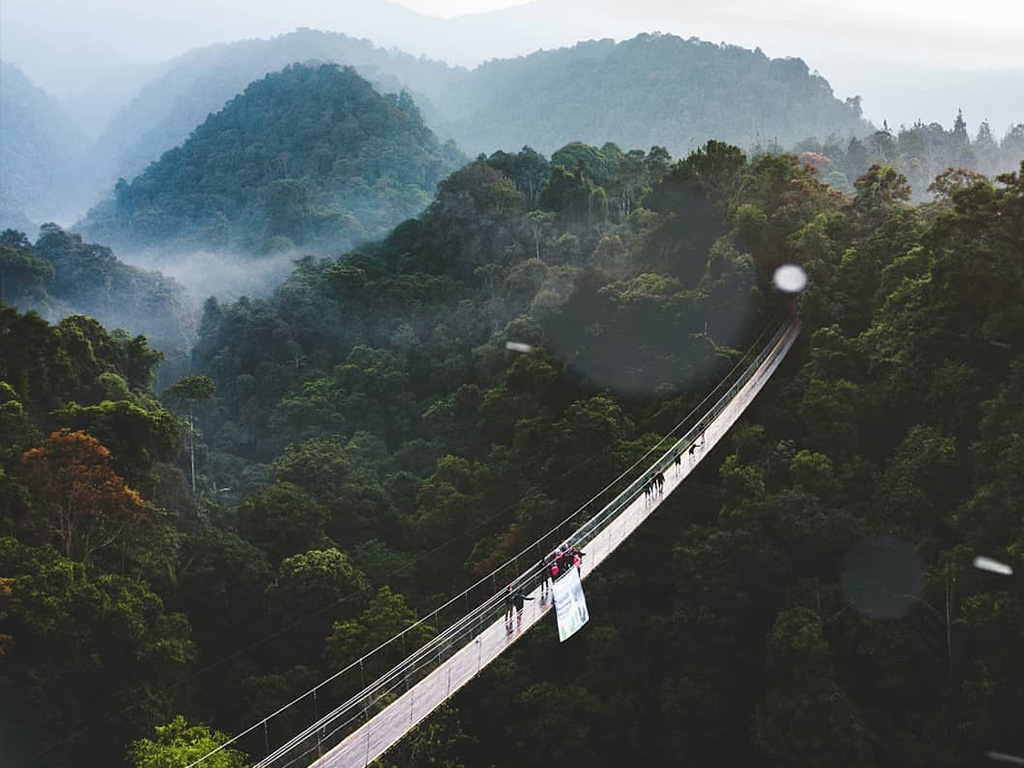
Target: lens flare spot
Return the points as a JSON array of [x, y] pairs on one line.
[[790, 278], [993, 566], [1002, 757], [882, 577]]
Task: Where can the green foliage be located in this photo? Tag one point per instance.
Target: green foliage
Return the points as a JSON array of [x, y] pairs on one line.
[[89, 647], [308, 157], [23, 275], [386, 616], [283, 520], [382, 436], [931, 158], [806, 717], [315, 587], [592, 93], [190, 391], [178, 743], [138, 437]]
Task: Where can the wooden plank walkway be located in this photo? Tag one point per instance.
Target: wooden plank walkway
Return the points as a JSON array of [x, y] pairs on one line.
[[372, 739]]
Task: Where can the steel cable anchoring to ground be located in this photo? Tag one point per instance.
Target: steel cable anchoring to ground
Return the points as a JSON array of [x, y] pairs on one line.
[[428, 649]]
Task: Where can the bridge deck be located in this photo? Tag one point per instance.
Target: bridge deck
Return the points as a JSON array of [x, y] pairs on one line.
[[380, 732]]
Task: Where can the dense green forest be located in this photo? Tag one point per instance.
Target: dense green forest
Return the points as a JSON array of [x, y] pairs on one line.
[[652, 89], [60, 274], [202, 81], [306, 492], [920, 153], [309, 157]]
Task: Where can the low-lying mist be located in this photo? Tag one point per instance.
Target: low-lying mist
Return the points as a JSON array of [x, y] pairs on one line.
[[227, 276]]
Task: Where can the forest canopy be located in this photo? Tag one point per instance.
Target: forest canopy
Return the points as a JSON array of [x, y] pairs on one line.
[[310, 157], [365, 444]]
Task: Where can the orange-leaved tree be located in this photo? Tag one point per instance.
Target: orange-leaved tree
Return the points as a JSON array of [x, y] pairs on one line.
[[78, 498]]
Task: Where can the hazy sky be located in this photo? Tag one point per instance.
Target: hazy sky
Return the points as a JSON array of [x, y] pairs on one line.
[[992, 29], [445, 9]]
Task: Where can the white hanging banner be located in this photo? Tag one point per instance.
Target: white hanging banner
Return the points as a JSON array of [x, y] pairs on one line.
[[570, 604]]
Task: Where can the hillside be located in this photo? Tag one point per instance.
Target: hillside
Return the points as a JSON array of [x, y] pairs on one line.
[[192, 86], [310, 157], [367, 444], [651, 90], [920, 152], [39, 144], [62, 275]]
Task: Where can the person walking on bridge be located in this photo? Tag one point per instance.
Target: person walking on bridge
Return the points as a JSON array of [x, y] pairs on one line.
[[509, 605], [545, 575], [518, 598]]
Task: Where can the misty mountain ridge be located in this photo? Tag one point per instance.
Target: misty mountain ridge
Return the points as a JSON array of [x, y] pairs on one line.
[[845, 42], [194, 85], [475, 107], [311, 157], [60, 274], [39, 143], [651, 90]]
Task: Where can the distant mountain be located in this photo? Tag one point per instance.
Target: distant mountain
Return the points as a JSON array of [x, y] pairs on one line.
[[202, 81], [94, 104], [309, 157], [39, 145], [651, 90]]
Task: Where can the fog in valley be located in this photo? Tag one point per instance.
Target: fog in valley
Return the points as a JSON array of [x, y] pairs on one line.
[[227, 275]]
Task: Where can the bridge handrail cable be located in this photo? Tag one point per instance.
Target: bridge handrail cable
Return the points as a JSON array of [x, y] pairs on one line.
[[444, 643]]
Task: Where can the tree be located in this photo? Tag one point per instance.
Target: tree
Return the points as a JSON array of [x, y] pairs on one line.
[[567, 195], [77, 497], [343, 477], [137, 437], [283, 520], [590, 161], [94, 658], [806, 718], [190, 392], [178, 744], [386, 616], [953, 180], [18, 433], [23, 275], [879, 191], [316, 587]]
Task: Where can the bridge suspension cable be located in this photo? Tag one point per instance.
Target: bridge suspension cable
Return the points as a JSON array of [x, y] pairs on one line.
[[351, 706]]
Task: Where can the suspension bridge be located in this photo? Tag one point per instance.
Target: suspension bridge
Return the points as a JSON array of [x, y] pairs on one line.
[[352, 722]]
